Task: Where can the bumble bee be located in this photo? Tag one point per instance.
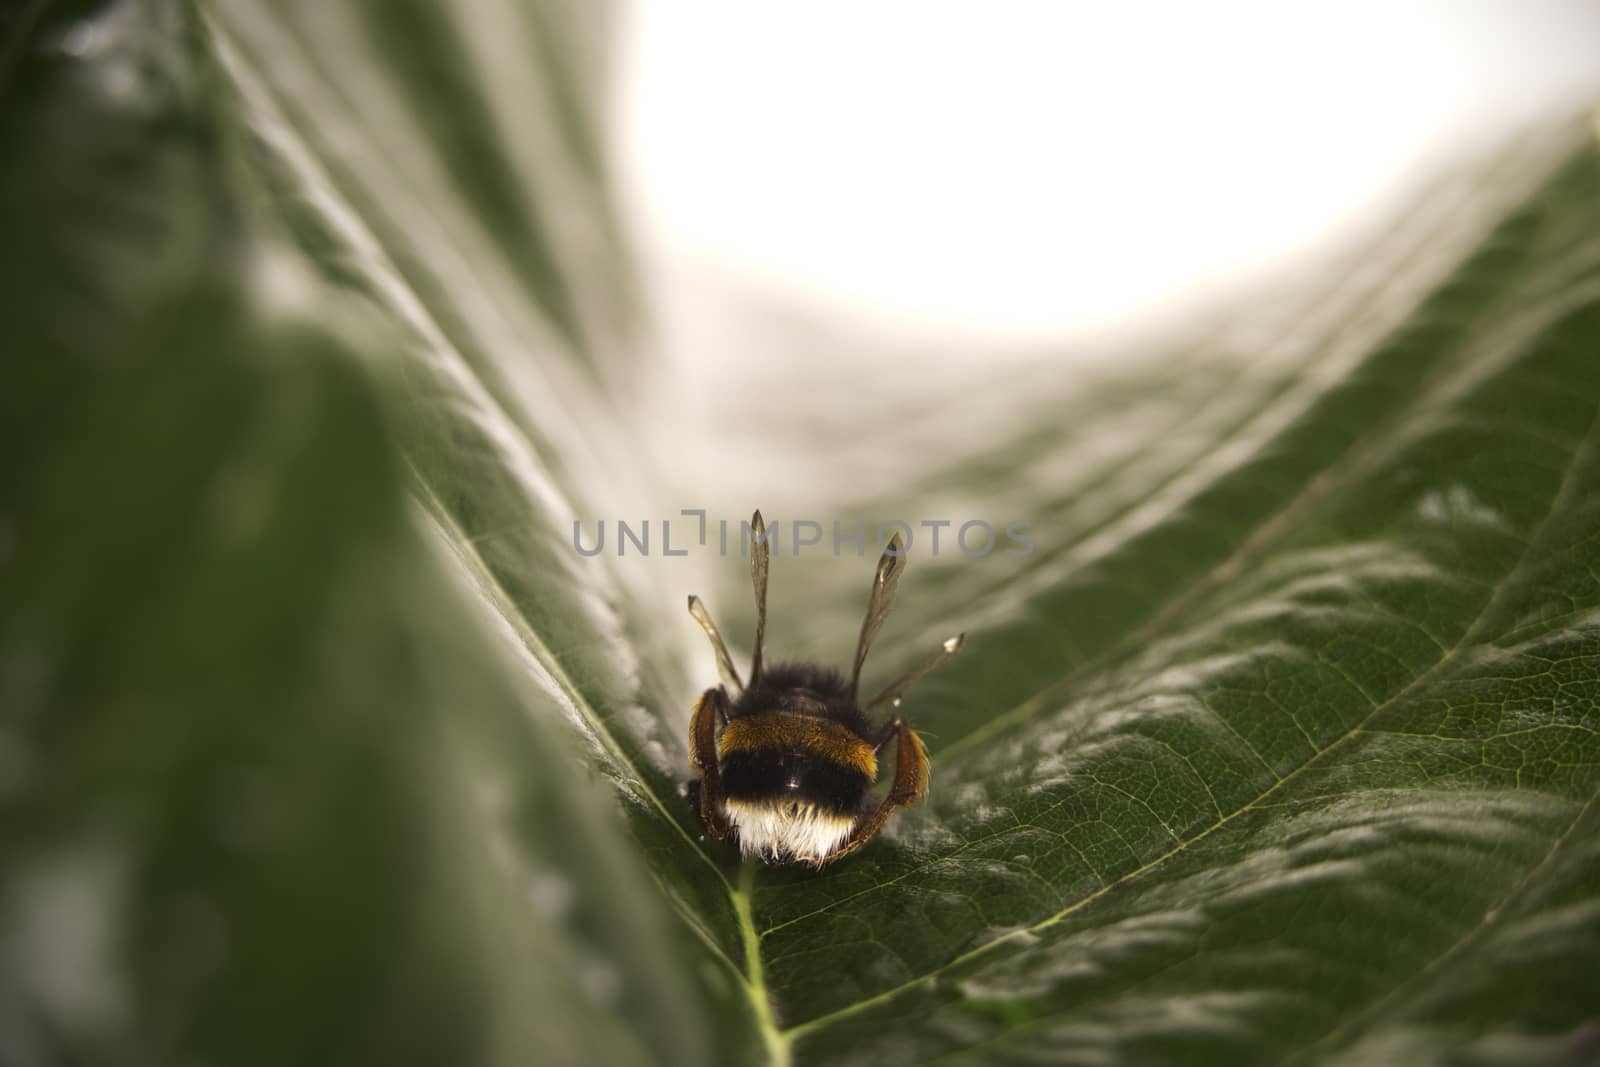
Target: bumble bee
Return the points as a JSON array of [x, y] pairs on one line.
[[786, 764]]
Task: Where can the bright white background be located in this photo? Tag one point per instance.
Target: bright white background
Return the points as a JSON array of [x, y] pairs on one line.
[[1016, 172]]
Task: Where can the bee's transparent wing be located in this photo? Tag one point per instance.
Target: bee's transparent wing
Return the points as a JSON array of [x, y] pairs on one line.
[[890, 567], [760, 557], [725, 668]]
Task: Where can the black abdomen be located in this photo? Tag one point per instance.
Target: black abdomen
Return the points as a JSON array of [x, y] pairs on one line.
[[786, 775]]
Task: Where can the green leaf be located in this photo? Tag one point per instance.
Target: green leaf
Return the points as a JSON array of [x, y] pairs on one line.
[[319, 743]]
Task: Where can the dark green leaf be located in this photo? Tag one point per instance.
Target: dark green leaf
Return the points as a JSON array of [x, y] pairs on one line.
[[319, 743]]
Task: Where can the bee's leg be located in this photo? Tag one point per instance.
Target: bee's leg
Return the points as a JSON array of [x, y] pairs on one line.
[[710, 712], [904, 682], [910, 785]]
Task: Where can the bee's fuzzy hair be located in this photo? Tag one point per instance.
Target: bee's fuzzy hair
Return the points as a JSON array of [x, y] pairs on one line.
[[779, 830]]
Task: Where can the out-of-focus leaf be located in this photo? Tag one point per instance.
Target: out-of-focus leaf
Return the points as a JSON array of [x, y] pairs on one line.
[[279, 783], [1280, 745]]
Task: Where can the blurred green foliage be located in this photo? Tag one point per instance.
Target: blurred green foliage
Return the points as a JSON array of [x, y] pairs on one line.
[[318, 744]]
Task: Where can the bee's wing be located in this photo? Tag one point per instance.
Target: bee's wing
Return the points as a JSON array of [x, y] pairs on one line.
[[725, 668], [760, 557], [890, 567]]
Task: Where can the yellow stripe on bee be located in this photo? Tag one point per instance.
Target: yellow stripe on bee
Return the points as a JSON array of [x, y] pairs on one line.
[[820, 737]]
